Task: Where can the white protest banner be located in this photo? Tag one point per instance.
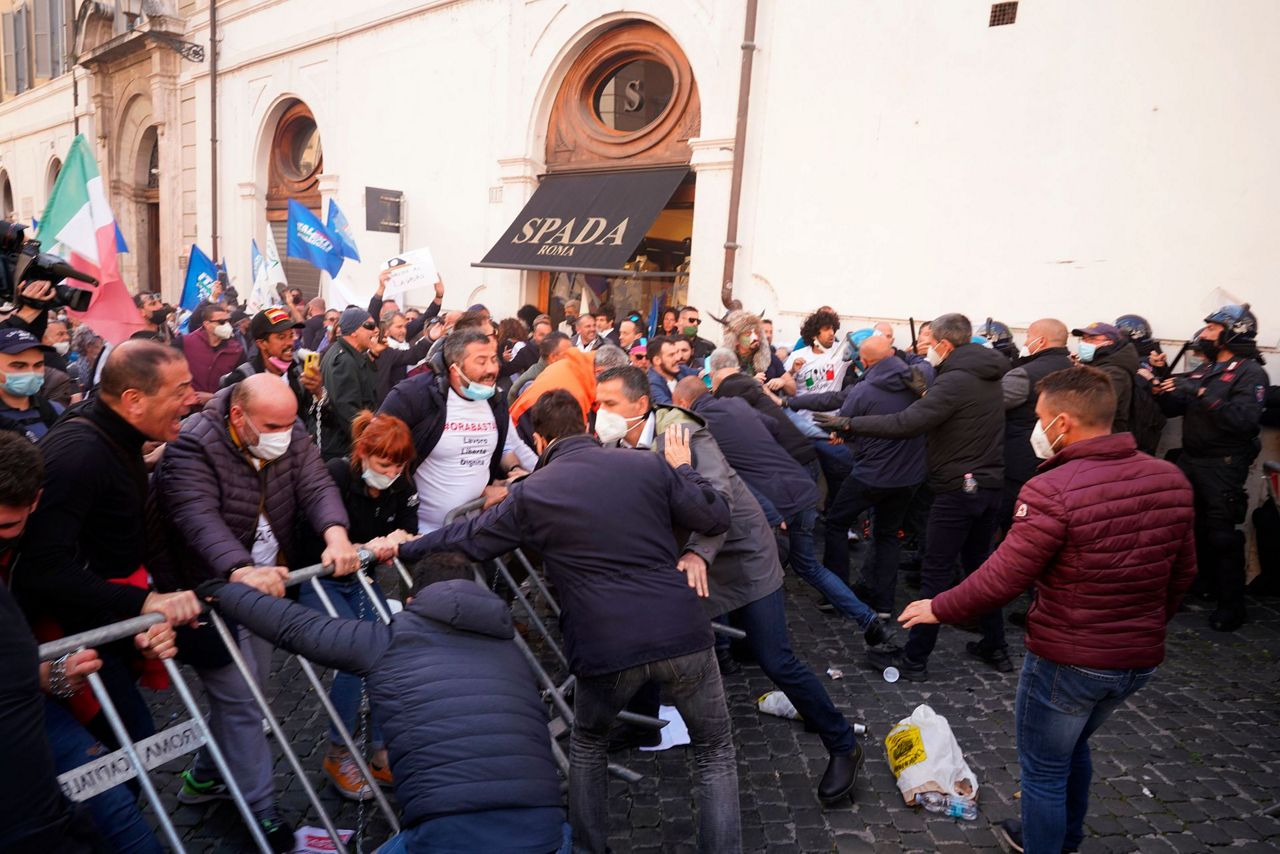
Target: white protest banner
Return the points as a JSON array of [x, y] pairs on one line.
[[112, 769], [413, 269]]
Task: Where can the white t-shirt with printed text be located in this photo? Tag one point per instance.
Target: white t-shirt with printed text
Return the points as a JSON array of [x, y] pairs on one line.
[[457, 470]]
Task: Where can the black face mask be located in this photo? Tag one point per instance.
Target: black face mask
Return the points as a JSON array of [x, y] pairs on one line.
[[1209, 348], [158, 316]]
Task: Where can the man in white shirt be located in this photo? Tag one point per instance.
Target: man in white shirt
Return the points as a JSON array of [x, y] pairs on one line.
[[460, 427], [586, 339]]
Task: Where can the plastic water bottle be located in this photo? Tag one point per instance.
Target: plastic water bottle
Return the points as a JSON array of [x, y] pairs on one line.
[[948, 805], [970, 484]]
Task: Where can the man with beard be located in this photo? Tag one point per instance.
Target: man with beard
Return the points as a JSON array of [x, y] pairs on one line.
[[459, 426], [273, 330]]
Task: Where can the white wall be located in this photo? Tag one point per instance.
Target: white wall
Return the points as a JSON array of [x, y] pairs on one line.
[[34, 129], [1094, 158]]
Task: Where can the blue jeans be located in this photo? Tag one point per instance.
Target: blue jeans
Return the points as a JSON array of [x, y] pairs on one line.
[[350, 602], [114, 813], [1058, 708], [804, 562], [693, 684], [765, 622]]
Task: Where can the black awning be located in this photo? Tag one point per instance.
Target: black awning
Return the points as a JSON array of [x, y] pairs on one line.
[[590, 223]]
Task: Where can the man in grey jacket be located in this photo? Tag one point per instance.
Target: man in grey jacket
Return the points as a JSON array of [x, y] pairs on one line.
[[231, 491], [739, 568]]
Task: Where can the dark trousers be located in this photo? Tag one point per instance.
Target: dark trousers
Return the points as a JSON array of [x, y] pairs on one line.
[[960, 525], [890, 509], [693, 684], [765, 622], [1217, 484], [836, 462]]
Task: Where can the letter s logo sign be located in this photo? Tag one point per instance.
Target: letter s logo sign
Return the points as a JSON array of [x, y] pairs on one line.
[[633, 96]]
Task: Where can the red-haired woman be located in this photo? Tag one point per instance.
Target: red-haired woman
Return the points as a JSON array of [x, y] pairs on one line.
[[382, 505]]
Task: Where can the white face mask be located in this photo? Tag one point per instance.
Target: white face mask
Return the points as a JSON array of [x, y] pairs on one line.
[[1025, 350], [397, 345], [270, 446], [1040, 440], [222, 330], [62, 347], [933, 357], [611, 427], [377, 480]]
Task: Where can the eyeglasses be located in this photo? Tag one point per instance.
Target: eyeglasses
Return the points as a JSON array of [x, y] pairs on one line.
[[696, 321], [370, 325]]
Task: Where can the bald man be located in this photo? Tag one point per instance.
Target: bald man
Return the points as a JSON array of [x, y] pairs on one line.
[[233, 490], [885, 473], [1043, 352]]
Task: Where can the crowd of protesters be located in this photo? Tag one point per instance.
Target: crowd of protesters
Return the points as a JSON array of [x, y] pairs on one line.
[[195, 464]]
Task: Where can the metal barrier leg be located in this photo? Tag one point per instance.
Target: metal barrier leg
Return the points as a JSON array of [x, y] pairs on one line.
[[234, 649], [538, 582], [533, 616], [215, 753], [374, 598], [404, 575], [126, 744], [350, 743], [557, 699], [341, 727]]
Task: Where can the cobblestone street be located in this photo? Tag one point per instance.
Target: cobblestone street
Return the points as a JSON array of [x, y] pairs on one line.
[[1188, 764]]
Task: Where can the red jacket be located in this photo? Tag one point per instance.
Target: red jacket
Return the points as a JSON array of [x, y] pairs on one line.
[[209, 364], [1104, 532]]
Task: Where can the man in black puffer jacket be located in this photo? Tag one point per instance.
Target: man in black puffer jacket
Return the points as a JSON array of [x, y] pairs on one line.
[[466, 729], [229, 493], [962, 415], [1105, 347]]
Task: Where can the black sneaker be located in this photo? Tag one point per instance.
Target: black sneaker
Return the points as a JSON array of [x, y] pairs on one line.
[[728, 666], [997, 658], [628, 737], [279, 832], [892, 656], [825, 606], [195, 791]]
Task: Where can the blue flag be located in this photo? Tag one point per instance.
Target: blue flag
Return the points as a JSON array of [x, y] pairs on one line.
[[202, 275], [653, 315], [311, 241], [340, 230], [35, 224], [121, 246]]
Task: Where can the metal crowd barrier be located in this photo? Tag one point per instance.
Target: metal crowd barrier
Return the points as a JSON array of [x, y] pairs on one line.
[[556, 693]]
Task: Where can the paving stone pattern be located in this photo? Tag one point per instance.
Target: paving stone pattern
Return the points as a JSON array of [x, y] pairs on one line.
[[1188, 764]]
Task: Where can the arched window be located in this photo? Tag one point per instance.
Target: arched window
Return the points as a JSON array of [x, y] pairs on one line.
[[7, 211], [295, 164], [51, 177]]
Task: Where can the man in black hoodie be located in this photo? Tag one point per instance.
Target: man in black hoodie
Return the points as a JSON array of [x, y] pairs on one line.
[[962, 415]]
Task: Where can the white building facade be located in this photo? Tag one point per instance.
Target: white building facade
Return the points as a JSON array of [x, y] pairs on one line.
[[900, 159]]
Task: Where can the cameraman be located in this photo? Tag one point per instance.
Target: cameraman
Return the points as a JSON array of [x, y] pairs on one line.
[[31, 311]]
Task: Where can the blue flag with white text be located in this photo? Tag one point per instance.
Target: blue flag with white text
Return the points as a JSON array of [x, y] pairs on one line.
[[340, 230], [311, 241], [202, 275]]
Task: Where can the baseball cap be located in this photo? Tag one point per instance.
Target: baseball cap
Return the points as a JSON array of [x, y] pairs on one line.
[[20, 340], [270, 320], [1100, 328], [352, 319]]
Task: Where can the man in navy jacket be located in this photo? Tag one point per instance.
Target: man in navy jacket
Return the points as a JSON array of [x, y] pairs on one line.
[[628, 615], [885, 473]]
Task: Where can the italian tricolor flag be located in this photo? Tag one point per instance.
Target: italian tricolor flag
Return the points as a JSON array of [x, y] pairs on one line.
[[79, 226]]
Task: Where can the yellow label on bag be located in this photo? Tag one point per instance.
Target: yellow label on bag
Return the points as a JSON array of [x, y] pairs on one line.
[[904, 746]]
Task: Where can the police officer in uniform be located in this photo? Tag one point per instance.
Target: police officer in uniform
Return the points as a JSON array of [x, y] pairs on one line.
[[1221, 403]]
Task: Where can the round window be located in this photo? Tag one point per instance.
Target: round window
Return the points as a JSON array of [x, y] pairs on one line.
[[301, 149], [634, 95]]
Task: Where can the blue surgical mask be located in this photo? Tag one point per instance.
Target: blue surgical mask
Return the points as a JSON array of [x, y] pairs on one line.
[[23, 385], [1086, 351], [474, 390]]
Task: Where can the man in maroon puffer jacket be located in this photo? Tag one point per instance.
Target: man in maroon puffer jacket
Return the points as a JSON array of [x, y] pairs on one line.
[[1104, 532]]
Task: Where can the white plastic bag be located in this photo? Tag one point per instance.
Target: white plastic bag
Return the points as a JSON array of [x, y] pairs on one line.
[[924, 756], [776, 703]]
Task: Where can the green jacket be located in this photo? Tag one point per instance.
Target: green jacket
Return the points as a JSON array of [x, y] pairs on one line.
[[350, 385]]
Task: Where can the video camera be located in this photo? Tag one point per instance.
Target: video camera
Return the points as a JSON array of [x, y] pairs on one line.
[[21, 261]]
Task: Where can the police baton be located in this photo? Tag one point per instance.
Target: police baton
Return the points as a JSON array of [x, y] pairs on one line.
[[1167, 371], [912, 321]]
